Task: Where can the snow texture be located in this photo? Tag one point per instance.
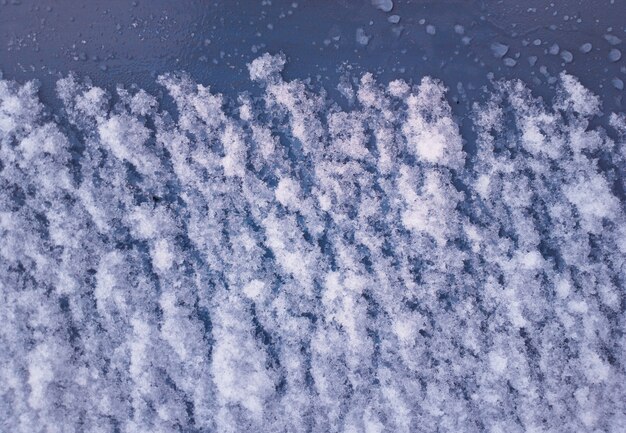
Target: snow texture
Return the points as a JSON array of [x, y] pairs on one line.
[[276, 263]]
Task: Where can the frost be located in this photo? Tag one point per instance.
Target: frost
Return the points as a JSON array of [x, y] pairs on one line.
[[274, 262]]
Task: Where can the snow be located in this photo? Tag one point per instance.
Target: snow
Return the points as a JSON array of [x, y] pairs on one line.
[[508, 61], [275, 262]]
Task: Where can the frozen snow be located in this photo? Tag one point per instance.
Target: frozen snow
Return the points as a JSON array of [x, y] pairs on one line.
[[275, 263]]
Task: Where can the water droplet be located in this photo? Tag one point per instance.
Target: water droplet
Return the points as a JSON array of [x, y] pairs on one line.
[[612, 39], [499, 50], [554, 49], [567, 56], [615, 55]]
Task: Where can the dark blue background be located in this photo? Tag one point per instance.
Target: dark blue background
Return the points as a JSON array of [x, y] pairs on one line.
[[118, 41]]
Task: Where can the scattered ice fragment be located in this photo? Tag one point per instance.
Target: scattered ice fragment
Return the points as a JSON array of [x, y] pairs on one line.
[[394, 19], [532, 60], [430, 29], [383, 5], [459, 29], [499, 49], [567, 56], [266, 67], [585, 48], [615, 55], [618, 83]]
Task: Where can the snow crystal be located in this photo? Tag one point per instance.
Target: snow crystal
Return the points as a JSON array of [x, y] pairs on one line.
[[275, 262]]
